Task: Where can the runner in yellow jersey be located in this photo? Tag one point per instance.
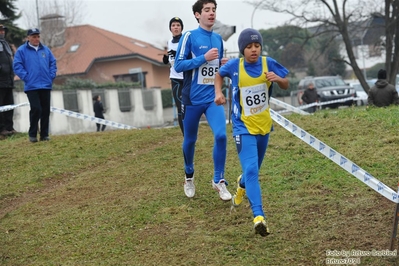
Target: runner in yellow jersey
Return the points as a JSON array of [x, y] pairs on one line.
[[252, 80]]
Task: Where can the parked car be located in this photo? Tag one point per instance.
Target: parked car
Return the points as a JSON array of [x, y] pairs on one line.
[[397, 83], [360, 92], [329, 88]]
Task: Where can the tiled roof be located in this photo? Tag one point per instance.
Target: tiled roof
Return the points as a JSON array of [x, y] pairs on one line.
[[95, 44]]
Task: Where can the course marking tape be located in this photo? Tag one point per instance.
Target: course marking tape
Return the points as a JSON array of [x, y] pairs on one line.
[[6, 108], [91, 118], [336, 157], [283, 104], [288, 107], [330, 102]]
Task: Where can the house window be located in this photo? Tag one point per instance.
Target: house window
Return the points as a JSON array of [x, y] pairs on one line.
[[73, 48], [148, 99], [125, 104], [140, 44], [133, 78], [70, 98]]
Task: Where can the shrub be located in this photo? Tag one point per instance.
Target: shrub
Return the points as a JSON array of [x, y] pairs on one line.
[[167, 100]]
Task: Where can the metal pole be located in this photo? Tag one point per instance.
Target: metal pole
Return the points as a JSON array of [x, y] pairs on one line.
[[361, 42], [395, 225], [37, 13], [364, 64]]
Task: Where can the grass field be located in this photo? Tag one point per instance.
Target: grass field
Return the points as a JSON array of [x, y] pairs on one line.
[[116, 197]]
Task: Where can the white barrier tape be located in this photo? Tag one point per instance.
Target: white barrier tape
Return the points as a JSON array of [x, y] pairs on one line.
[[287, 106], [6, 108], [336, 157], [91, 118], [330, 102], [319, 104], [361, 98]]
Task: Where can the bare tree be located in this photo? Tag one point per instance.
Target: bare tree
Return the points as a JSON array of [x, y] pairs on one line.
[[337, 18], [72, 10], [392, 39], [54, 16]]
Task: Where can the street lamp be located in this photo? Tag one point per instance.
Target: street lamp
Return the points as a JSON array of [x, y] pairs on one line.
[[364, 64], [253, 13], [37, 14]]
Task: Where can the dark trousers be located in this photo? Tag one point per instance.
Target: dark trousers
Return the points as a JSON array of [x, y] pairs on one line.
[[6, 118], [311, 109], [177, 86], [39, 110], [99, 126]]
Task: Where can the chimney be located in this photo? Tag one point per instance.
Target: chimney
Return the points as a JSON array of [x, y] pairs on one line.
[[52, 30]]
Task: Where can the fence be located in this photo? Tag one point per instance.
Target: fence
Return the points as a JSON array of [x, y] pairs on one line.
[[136, 108]]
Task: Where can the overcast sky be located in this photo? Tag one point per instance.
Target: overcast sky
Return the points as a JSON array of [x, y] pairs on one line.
[[148, 20]]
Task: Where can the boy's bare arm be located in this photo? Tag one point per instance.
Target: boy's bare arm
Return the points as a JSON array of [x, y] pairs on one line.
[[219, 96], [282, 82]]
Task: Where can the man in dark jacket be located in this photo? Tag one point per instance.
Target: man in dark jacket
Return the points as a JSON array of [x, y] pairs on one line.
[[382, 93], [6, 84], [98, 109], [310, 96]]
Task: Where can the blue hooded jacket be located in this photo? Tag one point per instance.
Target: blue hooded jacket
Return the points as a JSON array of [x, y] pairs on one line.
[[36, 68]]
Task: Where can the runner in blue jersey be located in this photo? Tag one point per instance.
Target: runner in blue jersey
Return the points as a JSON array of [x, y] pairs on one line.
[[199, 55], [252, 78]]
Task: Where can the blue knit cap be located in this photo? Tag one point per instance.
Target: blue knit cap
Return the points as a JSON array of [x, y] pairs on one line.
[[248, 36]]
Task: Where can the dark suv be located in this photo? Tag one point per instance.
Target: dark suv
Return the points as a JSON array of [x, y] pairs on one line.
[[329, 88]]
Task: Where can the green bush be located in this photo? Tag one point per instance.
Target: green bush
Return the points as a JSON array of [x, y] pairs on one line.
[[75, 83], [167, 100]]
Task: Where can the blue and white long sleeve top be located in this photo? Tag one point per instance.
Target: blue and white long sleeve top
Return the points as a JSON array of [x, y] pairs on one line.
[[198, 84]]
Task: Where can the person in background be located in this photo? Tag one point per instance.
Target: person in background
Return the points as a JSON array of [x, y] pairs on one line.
[[34, 63], [199, 55], [382, 93], [252, 78], [98, 111], [6, 84], [310, 96], [176, 27]]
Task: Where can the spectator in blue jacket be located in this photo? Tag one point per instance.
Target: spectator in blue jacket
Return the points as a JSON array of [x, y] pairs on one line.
[[36, 66]]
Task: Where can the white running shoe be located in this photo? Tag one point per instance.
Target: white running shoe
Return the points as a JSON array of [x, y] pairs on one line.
[[189, 187], [221, 188]]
